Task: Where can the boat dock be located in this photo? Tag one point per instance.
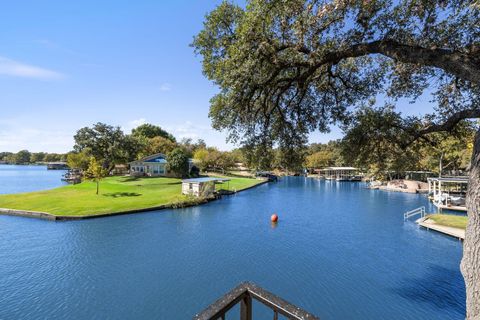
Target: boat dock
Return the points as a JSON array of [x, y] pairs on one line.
[[425, 222], [448, 193]]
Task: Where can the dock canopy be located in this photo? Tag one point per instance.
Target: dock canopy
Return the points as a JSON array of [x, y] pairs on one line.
[[340, 169], [450, 179], [206, 179], [341, 173]]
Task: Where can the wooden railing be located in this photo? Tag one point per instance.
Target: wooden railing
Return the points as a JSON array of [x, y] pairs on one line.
[[244, 294]]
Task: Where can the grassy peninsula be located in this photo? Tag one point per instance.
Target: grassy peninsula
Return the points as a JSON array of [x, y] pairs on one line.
[[117, 194]]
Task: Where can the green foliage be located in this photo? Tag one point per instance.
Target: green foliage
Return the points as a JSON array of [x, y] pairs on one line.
[[378, 140], [53, 157], [289, 158], [190, 147], [158, 144], [22, 157], [104, 142], [212, 158], [80, 160], [319, 159], [95, 172], [286, 68], [6, 156], [178, 162], [150, 131], [37, 157], [201, 158], [259, 156]]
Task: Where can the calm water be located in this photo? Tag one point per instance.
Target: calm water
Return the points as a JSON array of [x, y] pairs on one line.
[[16, 179], [339, 251]]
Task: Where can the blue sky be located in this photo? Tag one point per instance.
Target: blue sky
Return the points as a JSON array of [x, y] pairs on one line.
[[68, 64]]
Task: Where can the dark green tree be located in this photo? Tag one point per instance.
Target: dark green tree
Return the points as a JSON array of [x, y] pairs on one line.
[[52, 157], [104, 142], [178, 162], [6, 156], [22, 157], [286, 68], [148, 130], [37, 157]]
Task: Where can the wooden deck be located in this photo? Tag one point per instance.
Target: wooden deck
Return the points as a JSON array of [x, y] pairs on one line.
[[430, 225], [455, 208]]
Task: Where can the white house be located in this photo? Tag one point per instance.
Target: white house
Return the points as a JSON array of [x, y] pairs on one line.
[[153, 166]]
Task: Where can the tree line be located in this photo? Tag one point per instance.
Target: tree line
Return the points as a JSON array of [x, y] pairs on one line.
[[27, 157], [110, 146]]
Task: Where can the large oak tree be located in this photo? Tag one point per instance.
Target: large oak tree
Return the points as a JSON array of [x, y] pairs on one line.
[[286, 68]]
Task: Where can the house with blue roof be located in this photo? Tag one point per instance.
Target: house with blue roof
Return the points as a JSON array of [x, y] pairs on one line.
[[152, 166]]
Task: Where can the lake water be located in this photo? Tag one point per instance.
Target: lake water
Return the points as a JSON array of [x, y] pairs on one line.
[[339, 251], [16, 179]]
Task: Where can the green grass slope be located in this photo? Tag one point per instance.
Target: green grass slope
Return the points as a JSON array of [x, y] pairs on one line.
[[116, 194]]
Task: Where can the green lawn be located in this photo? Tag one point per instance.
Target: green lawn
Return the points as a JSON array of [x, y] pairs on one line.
[[449, 220], [236, 183], [116, 194]]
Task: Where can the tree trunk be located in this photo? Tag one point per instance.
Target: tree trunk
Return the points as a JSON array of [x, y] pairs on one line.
[[471, 249], [440, 166], [98, 182]]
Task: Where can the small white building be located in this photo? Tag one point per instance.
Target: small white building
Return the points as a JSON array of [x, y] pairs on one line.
[[200, 187], [152, 166]]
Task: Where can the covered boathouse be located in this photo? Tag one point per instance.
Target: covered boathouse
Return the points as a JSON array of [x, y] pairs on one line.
[[201, 187]]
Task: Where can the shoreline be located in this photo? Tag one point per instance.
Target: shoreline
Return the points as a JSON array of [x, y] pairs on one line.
[[53, 217]]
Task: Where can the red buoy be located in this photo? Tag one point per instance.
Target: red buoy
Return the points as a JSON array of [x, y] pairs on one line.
[[274, 218]]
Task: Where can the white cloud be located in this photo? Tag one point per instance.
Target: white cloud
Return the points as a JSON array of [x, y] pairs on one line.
[[14, 137], [165, 87], [14, 68], [133, 124], [189, 130], [195, 131]]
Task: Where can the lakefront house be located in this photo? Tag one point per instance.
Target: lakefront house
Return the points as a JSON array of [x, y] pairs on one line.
[[152, 166]]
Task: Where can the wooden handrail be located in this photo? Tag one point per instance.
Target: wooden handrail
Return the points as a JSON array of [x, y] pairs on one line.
[[243, 294]]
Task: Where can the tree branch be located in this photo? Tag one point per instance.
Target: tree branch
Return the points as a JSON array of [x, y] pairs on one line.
[[463, 65]]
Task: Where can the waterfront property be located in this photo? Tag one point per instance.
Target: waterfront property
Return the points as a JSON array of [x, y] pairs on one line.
[[201, 187], [152, 166], [341, 173], [117, 194], [448, 224], [336, 245], [448, 193]]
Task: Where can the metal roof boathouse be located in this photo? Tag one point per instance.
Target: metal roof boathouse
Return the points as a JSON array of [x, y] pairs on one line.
[[201, 187]]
